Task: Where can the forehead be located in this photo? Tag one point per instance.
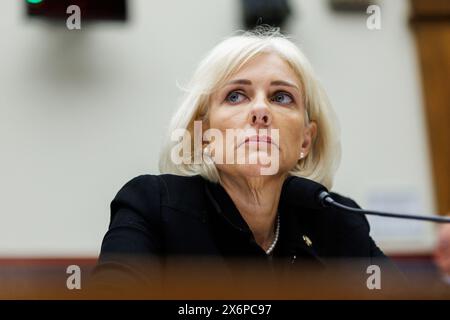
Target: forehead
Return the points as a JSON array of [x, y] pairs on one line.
[[266, 66]]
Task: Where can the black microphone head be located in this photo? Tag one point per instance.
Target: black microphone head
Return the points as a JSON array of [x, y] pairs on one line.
[[304, 192]]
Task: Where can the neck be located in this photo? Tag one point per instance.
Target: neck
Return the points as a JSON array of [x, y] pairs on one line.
[[257, 199]]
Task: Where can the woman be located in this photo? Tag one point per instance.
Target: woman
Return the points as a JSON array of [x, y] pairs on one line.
[[230, 195]]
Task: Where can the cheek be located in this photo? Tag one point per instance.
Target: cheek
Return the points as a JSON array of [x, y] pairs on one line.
[[224, 118], [291, 132], [221, 119], [291, 141], [212, 118]]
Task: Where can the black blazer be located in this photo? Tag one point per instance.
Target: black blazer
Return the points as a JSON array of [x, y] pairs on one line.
[[159, 216]]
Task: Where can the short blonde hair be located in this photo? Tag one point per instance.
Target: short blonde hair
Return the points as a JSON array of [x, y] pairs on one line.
[[219, 65]]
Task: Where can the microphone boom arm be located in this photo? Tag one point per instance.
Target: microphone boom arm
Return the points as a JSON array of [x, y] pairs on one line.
[[326, 200]]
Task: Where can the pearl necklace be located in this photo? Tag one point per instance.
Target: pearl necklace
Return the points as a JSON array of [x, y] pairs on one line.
[[277, 232]]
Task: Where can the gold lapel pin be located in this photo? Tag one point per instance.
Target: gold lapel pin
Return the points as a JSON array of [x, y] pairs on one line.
[[307, 241]]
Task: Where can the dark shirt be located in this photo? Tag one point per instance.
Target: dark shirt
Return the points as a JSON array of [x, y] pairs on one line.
[[155, 217]]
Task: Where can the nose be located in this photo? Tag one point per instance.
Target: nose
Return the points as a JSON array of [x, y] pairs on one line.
[[260, 116]]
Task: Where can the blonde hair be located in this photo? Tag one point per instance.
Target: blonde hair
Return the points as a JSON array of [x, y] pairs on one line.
[[219, 65]]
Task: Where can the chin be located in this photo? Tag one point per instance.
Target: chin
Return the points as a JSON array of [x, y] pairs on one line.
[[255, 170], [260, 163], [251, 170]]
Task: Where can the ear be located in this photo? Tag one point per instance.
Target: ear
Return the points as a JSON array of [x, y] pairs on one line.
[[205, 127], [204, 118], [309, 136], [205, 124]]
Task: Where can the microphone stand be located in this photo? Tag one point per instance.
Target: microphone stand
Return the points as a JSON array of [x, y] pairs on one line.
[[326, 200]]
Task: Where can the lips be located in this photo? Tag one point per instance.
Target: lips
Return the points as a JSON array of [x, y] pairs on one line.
[[259, 139], [266, 139]]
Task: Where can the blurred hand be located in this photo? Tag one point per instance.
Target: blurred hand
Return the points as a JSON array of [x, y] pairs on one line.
[[442, 252]]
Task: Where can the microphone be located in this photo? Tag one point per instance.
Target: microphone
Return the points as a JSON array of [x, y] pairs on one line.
[[313, 195]]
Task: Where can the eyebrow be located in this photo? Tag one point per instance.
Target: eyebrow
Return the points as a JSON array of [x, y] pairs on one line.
[[273, 83]]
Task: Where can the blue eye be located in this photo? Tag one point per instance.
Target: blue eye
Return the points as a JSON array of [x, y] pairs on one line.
[[234, 97], [282, 98]]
